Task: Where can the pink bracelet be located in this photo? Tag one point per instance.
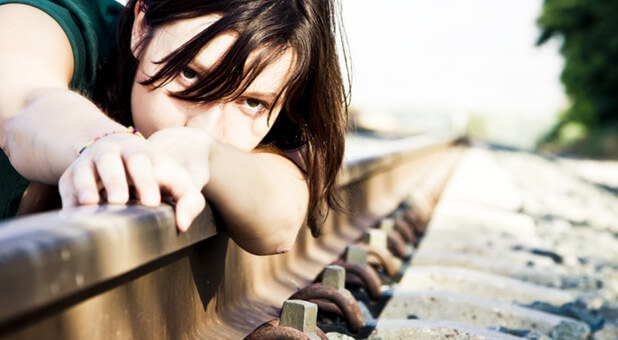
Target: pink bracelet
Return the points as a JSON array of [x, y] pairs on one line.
[[129, 129]]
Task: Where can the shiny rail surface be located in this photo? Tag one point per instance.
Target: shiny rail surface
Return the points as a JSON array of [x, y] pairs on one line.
[[125, 272]]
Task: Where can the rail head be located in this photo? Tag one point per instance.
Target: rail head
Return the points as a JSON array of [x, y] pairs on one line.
[[48, 257], [367, 155]]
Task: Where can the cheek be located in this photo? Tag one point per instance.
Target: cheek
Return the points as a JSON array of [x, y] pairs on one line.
[[146, 104], [151, 110], [244, 133], [140, 106], [260, 128]]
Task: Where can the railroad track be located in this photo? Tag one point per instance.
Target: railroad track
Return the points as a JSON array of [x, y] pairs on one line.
[[440, 241], [517, 247]]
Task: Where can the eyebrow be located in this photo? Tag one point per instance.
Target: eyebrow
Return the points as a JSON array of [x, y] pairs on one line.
[[266, 96], [201, 68]]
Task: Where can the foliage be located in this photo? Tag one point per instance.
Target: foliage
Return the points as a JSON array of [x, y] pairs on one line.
[[589, 43]]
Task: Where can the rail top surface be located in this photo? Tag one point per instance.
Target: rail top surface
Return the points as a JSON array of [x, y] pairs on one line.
[[47, 257]]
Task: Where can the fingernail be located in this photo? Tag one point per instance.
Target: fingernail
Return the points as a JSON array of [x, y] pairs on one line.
[[116, 198], [150, 201], [87, 197], [182, 221]]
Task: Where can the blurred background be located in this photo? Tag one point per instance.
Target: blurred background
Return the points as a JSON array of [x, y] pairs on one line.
[[537, 75]]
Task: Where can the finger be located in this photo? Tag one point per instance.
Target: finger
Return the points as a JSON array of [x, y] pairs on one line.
[[85, 183], [67, 190], [140, 171], [188, 208], [189, 200], [110, 169]]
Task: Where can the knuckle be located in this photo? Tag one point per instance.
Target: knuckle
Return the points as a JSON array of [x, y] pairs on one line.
[[138, 160], [81, 167], [104, 156], [66, 193], [63, 185], [162, 171], [64, 180]]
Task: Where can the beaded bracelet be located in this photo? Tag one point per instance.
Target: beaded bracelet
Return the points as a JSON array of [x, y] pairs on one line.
[[129, 129]]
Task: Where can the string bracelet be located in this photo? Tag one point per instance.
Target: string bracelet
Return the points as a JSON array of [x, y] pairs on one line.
[[129, 129]]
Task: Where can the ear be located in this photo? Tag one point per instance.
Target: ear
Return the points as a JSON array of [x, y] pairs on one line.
[[139, 29]]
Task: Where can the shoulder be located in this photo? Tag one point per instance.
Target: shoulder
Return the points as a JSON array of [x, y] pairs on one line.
[[90, 26]]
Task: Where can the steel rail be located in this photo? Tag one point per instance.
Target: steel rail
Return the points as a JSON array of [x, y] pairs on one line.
[[125, 272]]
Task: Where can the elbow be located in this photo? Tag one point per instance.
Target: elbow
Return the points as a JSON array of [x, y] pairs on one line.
[[272, 246], [283, 238], [266, 248], [278, 241], [269, 231], [283, 246], [286, 243]]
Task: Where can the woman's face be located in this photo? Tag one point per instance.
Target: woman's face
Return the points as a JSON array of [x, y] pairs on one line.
[[242, 123]]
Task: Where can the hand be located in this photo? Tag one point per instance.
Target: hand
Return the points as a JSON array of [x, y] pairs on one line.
[[117, 161], [189, 147]]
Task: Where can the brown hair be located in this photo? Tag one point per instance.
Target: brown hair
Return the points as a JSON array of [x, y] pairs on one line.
[[314, 110]]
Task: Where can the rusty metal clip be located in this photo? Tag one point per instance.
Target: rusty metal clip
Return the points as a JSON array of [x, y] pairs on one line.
[[418, 223], [349, 307], [272, 330], [406, 230], [369, 279], [396, 245]]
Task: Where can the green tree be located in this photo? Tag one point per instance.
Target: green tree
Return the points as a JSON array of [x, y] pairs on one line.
[[588, 31]]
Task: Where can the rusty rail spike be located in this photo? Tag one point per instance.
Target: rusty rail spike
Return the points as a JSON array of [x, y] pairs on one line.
[[375, 238], [349, 307], [334, 277], [355, 254], [387, 224], [384, 259], [375, 242], [331, 277]]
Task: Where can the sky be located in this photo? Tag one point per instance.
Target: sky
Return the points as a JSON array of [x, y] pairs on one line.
[[475, 56]]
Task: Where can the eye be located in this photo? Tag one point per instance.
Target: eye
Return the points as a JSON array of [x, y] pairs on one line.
[[189, 75], [253, 103], [252, 106]]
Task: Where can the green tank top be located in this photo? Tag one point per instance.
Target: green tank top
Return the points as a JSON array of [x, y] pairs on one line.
[[90, 26]]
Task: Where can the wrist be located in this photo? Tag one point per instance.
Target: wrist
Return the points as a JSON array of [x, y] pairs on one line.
[[129, 130]]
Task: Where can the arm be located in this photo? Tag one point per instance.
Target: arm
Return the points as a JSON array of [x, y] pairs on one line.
[[36, 65], [43, 125], [267, 185], [261, 196]]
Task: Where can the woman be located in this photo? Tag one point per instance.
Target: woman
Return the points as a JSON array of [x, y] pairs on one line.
[[240, 100]]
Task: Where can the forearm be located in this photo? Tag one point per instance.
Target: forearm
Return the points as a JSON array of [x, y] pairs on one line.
[[42, 123], [262, 198], [44, 137]]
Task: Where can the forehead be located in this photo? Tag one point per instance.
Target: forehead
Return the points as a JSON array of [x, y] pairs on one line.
[[169, 38]]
